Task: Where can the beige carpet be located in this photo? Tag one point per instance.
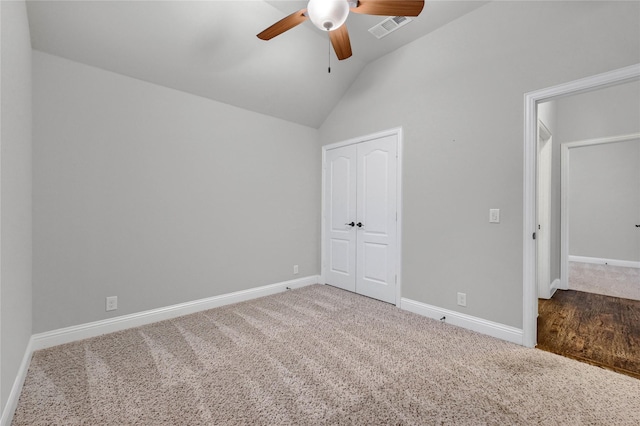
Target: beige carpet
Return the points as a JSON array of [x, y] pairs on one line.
[[615, 281], [317, 355]]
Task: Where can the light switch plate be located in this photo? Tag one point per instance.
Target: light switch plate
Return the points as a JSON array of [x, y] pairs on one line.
[[494, 215]]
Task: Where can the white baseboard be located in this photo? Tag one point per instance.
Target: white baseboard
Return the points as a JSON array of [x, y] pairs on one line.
[[601, 261], [490, 328], [14, 395], [97, 328], [562, 284], [556, 285]]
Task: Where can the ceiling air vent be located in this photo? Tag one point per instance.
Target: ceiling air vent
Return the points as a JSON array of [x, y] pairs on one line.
[[389, 25]]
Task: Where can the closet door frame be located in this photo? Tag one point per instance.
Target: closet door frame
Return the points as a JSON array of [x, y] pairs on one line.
[[398, 257]]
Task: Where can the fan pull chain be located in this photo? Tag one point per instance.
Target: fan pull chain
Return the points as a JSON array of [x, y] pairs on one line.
[[329, 70]]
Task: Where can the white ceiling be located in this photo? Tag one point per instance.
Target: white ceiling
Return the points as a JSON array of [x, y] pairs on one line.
[[210, 48]]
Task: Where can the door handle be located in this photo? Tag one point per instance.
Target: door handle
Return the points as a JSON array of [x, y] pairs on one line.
[[352, 224], [359, 224], [637, 226]]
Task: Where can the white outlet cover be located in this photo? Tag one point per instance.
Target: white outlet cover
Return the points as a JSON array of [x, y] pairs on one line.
[[111, 303], [462, 299]]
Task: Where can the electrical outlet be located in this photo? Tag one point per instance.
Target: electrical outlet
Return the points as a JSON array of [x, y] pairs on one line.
[[112, 303], [295, 269], [462, 299]]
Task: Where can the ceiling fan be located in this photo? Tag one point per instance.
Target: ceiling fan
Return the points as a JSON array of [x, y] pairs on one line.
[[330, 15]]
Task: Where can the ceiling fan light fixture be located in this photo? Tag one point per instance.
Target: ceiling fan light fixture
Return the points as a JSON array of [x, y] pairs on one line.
[[328, 15]]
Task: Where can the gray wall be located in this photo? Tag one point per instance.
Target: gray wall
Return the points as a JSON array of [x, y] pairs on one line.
[[15, 211], [611, 111], [458, 93], [160, 197], [604, 201]]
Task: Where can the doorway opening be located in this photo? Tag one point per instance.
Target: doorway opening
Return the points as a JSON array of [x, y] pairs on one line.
[[591, 120], [600, 211], [530, 205]]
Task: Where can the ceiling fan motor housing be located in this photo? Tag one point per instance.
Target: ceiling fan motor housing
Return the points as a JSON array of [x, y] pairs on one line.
[[328, 15]]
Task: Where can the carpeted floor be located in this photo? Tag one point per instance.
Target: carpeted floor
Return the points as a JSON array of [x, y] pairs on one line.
[[317, 355], [615, 281]]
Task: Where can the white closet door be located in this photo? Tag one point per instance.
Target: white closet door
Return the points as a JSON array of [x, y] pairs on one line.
[[340, 216], [360, 218], [376, 222]]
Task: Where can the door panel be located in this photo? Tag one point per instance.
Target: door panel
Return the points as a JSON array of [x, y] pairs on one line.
[[340, 256], [376, 239], [374, 188], [340, 189], [375, 256], [543, 233]]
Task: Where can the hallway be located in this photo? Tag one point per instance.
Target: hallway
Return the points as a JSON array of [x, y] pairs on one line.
[[593, 328]]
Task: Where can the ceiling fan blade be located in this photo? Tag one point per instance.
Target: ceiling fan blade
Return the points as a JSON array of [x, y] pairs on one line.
[[389, 7], [283, 25], [341, 43]]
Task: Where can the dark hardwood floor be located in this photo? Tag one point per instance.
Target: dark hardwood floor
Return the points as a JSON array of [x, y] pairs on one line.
[[593, 328]]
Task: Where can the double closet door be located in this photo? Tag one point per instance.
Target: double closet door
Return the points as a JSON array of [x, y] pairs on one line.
[[360, 217]]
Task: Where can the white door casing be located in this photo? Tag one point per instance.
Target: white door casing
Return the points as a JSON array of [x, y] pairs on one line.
[[365, 258]]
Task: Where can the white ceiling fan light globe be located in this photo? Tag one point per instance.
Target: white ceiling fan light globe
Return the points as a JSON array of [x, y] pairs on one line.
[[328, 15]]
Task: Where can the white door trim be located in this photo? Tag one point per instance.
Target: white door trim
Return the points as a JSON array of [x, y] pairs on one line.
[[531, 99], [565, 162], [395, 131]]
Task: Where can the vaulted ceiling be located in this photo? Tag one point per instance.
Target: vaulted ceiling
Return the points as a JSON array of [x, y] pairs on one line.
[[210, 48]]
